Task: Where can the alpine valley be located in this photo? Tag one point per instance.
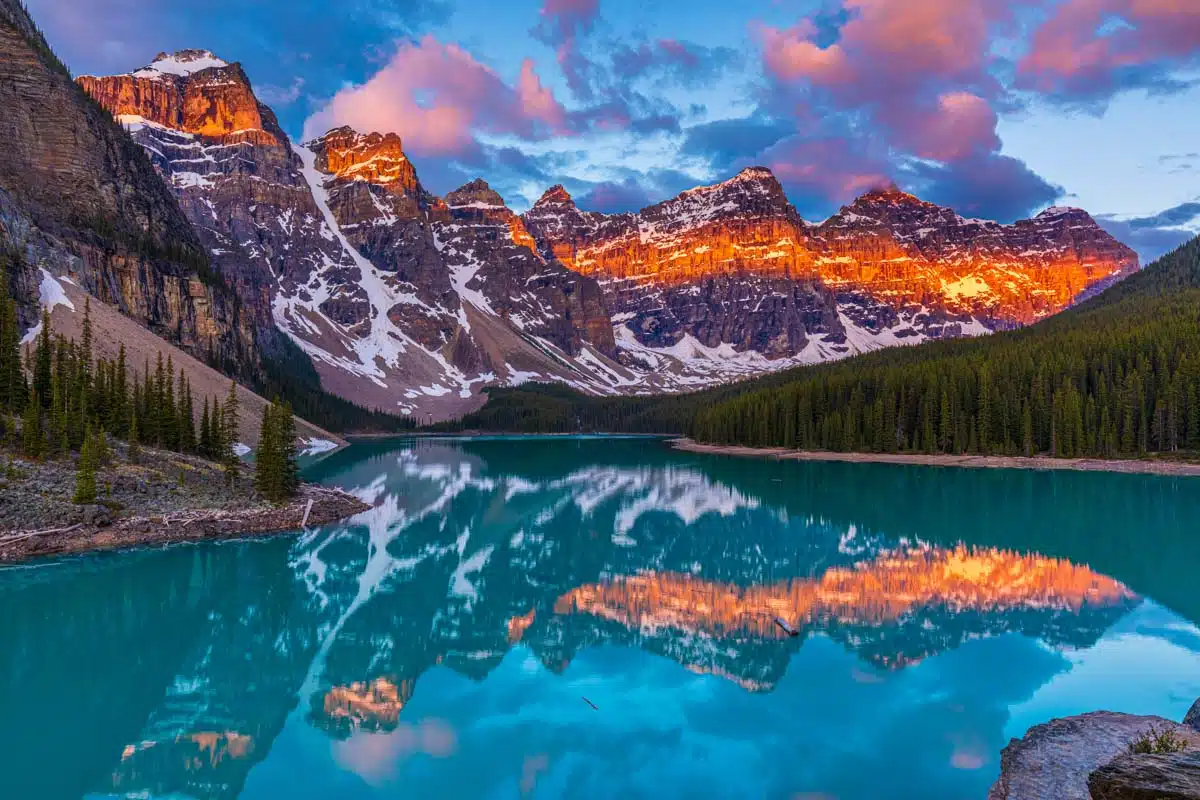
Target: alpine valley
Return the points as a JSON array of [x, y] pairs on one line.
[[411, 303]]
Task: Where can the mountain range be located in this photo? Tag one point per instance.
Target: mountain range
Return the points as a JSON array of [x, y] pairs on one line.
[[246, 246]]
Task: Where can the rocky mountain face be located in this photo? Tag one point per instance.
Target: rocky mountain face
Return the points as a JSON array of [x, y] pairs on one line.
[[734, 266], [77, 197], [413, 303]]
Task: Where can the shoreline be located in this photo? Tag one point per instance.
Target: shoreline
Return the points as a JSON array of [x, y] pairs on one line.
[[196, 525], [1130, 466]]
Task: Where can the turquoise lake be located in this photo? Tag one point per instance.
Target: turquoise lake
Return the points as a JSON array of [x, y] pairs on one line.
[[596, 618]]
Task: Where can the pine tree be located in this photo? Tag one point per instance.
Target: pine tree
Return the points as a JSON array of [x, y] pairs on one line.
[[85, 345], [32, 440], [229, 434], [120, 423], [286, 442], [1193, 418], [205, 442], [85, 475], [159, 411], [267, 472], [41, 365], [276, 472], [59, 442], [12, 379], [217, 433], [187, 424], [135, 450]]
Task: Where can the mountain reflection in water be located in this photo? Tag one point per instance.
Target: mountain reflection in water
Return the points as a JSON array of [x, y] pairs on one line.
[[441, 642]]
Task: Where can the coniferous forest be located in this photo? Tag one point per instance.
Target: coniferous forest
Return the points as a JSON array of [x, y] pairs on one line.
[[68, 402], [1117, 376]]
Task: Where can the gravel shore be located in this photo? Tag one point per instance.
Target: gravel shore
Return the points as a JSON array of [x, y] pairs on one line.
[[164, 498], [1141, 466]]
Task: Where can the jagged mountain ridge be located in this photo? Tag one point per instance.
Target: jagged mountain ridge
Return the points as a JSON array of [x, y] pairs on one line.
[[887, 263], [413, 303]]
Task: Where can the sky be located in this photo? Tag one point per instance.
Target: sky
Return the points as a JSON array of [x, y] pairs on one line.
[[998, 108]]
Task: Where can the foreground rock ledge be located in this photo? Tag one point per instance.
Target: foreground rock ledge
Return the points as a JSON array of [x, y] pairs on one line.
[[1148, 777], [1055, 759], [328, 505]]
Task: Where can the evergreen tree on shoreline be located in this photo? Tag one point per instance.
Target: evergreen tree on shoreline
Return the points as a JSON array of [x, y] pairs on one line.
[[229, 435]]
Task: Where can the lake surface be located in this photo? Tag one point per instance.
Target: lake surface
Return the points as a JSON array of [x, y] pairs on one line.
[[597, 618]]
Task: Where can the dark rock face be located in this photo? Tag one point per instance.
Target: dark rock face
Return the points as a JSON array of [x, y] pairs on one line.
[[1053, 760], [1148, 777], [76, 194]]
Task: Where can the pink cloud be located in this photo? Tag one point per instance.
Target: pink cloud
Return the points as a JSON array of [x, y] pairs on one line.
[[887, 43], [829, 167], [915, 72], [438, 97], [538, 102], [1082, 45], [567, 18], [377, 757], [955, 126], [790, 54]]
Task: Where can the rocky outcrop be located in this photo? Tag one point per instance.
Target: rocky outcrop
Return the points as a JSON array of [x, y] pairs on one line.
[[77, 195], [1174, 776], [232, 171], [1053, 760]]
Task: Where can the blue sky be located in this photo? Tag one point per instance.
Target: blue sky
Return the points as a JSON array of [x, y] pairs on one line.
[[996, 108]]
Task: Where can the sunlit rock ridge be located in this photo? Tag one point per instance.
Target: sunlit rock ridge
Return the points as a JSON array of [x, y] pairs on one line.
[[413, 303]]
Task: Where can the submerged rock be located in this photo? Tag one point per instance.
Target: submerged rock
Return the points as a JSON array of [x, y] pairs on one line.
[[1054, 759], [1145, 776]]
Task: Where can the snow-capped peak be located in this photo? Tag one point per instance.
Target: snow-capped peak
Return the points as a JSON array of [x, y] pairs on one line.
[[556, 195], [1057, 211], [183, 62]]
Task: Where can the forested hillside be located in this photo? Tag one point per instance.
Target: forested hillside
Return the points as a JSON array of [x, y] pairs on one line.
[[1117, 376]]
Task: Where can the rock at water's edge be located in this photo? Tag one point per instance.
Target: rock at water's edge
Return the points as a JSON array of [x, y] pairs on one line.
[[1148, 777], [1054, 759], [1192, 720]]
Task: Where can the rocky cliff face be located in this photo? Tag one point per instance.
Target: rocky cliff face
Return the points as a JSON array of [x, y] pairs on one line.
[[78, 198], [230, 167], [733, 266], [1054, 760]]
